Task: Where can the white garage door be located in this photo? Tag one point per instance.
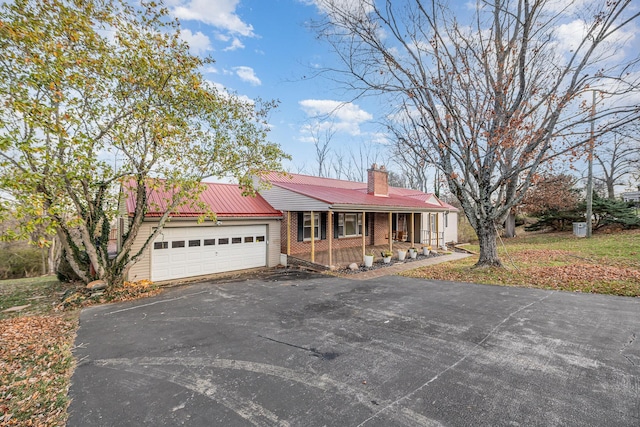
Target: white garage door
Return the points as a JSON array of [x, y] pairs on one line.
[[194, 251]]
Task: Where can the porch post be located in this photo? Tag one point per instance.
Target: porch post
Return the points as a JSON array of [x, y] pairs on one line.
[[390, 233], [364, 233], [330, 233], [412, 238], [438, 231], [313, 238], [430, 230], [288, 233]]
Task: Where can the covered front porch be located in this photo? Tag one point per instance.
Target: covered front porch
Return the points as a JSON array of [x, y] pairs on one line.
[[318, 237], [344, 256]]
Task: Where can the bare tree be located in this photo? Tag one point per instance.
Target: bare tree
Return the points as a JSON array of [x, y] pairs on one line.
[[397, 179], [321, 140], [412, 166], [617, 159], [489, 100], [362, 159]]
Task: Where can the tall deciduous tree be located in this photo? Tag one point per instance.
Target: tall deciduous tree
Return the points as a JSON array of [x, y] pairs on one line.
[[617, 158], [490, 99], [99, 94]]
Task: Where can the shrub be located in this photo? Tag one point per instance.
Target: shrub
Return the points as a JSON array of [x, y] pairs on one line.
[[18, 261]]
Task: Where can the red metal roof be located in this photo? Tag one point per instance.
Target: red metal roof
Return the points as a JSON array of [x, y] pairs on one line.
[[226, 200], [337, 191]]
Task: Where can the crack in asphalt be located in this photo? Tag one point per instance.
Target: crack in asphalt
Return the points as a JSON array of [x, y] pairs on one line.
[[462, 359], [314, 352], [627, 344]]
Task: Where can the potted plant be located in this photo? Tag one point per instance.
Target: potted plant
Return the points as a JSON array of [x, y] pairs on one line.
[[368, 259], [401, 254], [386, 256], [413, 252], [426, 250]]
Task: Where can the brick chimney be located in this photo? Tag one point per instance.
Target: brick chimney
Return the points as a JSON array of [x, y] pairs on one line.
[[378, 181]]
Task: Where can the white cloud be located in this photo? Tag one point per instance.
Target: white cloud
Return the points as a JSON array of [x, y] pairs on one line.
[[198, 42], [353, 6], [219, 13], [235, 44], [570, 35], [248, 75], [342, 116]]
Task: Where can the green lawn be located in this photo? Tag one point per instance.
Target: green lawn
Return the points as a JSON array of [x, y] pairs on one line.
[[41, 294], [606, 264]]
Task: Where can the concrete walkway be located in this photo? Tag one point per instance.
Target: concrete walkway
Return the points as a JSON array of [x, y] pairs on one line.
[[404, 266]]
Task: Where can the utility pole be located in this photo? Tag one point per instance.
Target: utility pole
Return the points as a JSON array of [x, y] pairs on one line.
[[590, 170]]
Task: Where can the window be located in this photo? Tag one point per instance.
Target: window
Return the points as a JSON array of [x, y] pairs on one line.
[[349, 224], [161, 245], [209, 242], [446, 219], [259, 238], [307, 226], [177, 244], [193, 243], [224, 241], [248, 239], [433, 222], [236, 240]]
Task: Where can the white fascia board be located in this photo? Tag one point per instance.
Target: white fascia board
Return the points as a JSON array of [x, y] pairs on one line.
[[368, 208]]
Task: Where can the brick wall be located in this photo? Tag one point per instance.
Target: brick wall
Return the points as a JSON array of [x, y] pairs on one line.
[[378, 181], [381, 228], [378, 230]]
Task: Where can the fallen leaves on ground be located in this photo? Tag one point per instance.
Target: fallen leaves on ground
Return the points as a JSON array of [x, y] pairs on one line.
[[539, 255], [126, 292], [35, 367], [535, 269]]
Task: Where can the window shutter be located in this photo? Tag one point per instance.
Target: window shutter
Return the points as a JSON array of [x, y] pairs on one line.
[[323, 226], [300, 226], [336, 218]]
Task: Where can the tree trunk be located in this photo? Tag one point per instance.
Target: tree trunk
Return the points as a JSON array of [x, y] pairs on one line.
[[510, 226], [487, 235], [610, 190]]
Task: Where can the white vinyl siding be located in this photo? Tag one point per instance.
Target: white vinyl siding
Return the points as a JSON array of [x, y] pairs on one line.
[[286, 200]]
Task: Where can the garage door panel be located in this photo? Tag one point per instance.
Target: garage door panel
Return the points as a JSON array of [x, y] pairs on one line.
[[194, 251]]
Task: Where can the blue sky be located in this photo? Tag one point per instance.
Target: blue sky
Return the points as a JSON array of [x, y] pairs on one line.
[[265, 49]]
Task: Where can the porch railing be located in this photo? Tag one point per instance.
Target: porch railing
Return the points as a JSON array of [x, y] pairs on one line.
[[432, 238]]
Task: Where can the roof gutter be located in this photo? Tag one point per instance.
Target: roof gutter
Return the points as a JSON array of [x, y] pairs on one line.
[[384, 209]]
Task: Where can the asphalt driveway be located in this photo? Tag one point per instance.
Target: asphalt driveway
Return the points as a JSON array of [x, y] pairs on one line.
[[393, 351]]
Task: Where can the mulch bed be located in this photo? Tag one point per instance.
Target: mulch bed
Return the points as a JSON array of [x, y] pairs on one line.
[[380, 264]]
